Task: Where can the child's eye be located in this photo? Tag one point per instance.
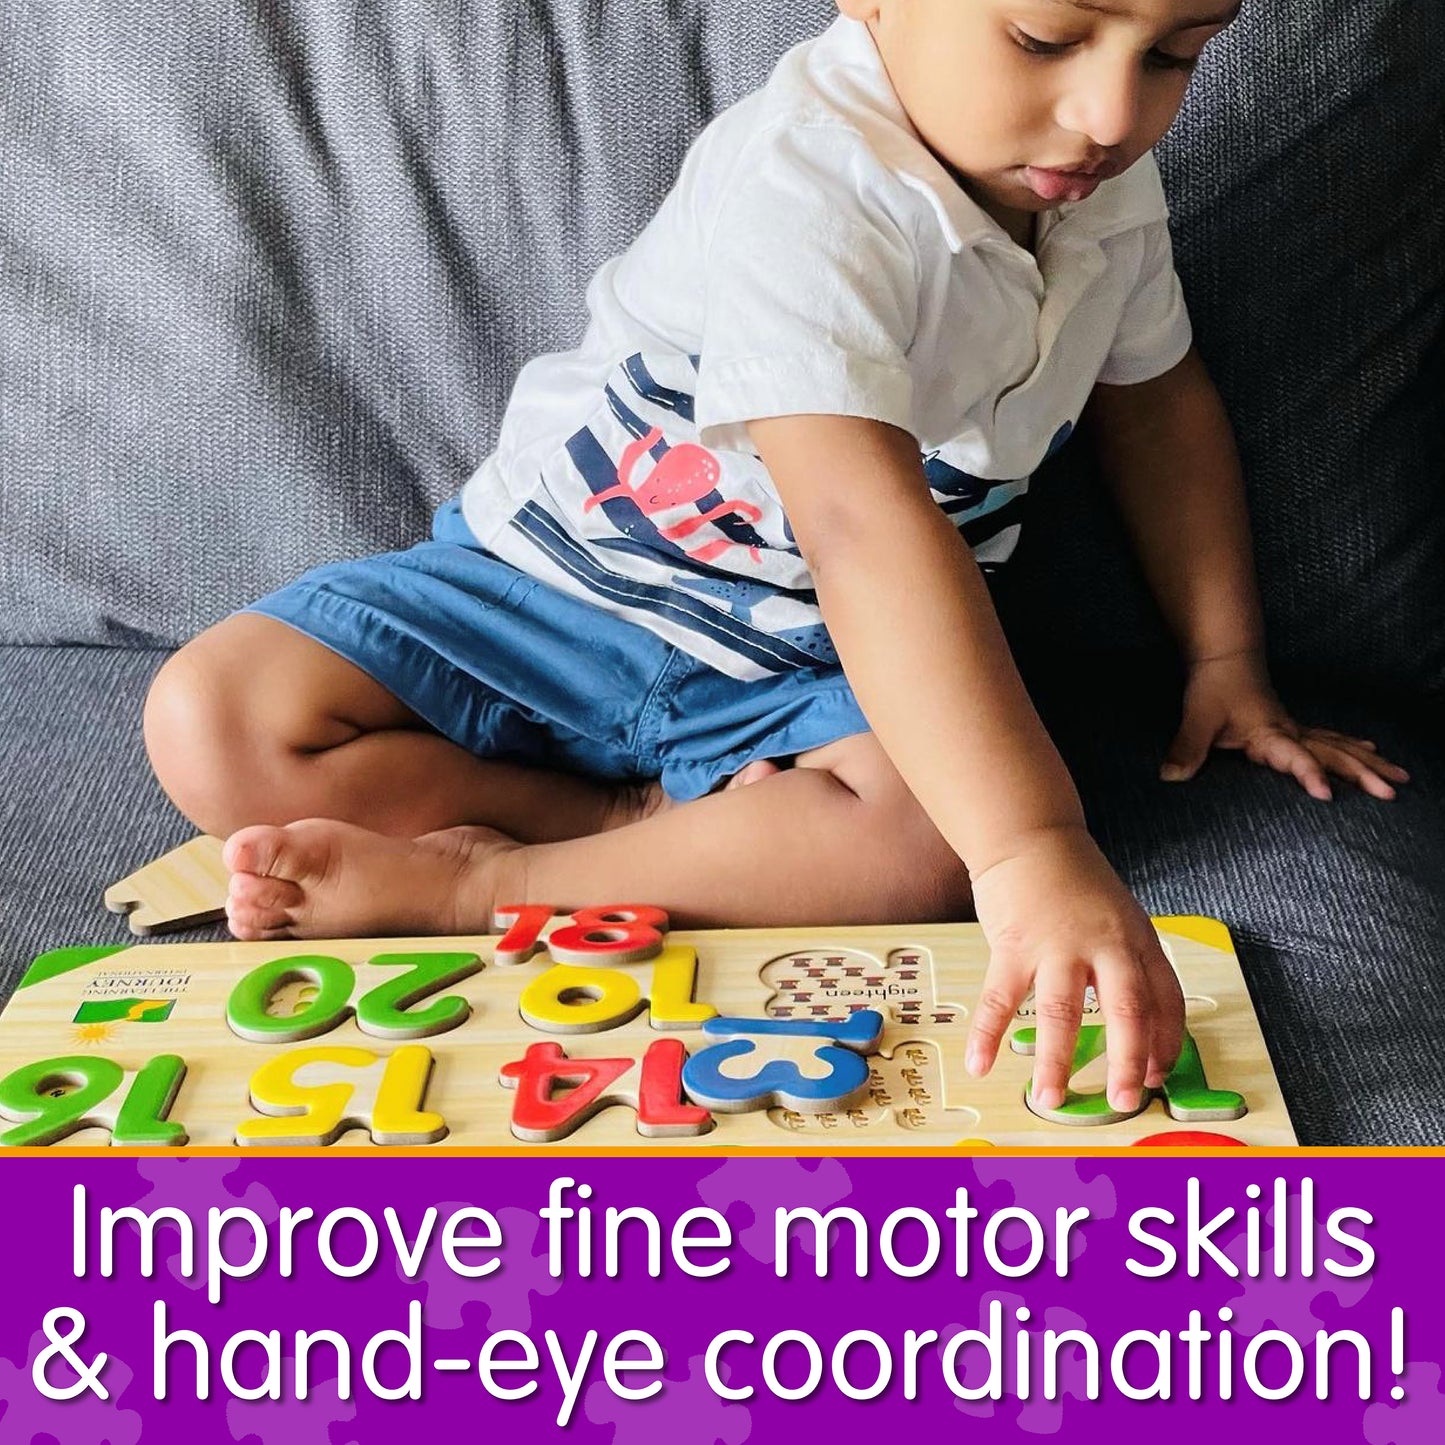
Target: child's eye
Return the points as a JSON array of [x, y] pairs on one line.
[[1034, 46], [1162, 60]]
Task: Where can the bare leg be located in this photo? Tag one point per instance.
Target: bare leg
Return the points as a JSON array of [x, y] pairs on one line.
[[253, 722], [837, 839]]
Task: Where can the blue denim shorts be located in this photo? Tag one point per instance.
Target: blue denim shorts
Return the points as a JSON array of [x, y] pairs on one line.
[[509, 667]]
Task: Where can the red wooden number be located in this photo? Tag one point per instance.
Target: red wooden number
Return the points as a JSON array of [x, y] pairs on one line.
[[618, 933], [524, 923]]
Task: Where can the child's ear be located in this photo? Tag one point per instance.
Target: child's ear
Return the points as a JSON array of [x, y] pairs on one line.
[[864, 10]]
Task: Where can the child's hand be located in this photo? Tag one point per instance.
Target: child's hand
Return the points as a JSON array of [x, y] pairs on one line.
[[1057, 917], [1229, 703]]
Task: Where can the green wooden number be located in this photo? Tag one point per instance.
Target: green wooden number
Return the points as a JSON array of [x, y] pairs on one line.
[[142, 1118], [248, 1011], [56, 1097], [1186, 1091], [385, 1012], [1187, 1094], [1081, 1110]]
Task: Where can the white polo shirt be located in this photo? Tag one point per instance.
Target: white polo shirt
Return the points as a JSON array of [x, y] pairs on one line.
[[814, 257]]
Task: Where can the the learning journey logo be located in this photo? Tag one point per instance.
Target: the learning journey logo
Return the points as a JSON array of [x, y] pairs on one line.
[[131, 986], [125, 1010], [115, 998]]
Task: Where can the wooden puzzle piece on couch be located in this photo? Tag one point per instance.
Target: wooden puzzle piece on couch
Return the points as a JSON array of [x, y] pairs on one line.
[[182, 889]]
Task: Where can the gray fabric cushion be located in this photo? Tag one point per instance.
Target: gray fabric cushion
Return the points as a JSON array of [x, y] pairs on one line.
[[79, 809], [270, 271], [1336, 910]]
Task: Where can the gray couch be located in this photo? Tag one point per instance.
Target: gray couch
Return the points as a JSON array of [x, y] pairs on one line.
[[267, 271]]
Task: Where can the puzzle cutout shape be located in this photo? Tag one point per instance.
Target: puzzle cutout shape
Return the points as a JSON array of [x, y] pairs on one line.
[[832, 983], [905, 1091]]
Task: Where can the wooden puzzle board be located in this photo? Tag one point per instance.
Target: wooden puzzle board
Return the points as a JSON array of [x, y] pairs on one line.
[[122, 1010]]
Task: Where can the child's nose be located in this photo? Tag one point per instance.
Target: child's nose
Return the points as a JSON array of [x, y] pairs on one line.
[[1102, 102]]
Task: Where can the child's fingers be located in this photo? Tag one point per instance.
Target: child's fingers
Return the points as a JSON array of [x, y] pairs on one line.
[[1342, 739], [1059, 1007], [1128, 1006], [1362, 749], [1348, 766], [1357, 750], [1167, 1034], [1285, 755], [1004, 988], [1189, 750], [1347, 758]]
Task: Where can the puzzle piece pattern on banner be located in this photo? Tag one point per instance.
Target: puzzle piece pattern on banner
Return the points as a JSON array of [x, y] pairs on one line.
[[686, 1409], [503, 1299], [760, 1185], [86, 1420], [308, 1419]]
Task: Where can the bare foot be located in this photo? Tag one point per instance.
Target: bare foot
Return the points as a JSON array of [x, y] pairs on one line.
[[323, 879], [752, 773]]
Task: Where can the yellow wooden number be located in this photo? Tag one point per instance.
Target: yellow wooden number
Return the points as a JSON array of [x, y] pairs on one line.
[[313, 1096]]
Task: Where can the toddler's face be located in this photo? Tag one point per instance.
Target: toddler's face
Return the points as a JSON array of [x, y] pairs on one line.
[[1034, 102]]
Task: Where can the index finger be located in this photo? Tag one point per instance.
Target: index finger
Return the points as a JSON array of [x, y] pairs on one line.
[[1128, 1006], [1059, 1005], [1004, 985], [1167, 1026], [1285, 755]]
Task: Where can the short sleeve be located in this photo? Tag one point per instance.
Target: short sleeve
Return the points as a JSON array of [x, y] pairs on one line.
[[811, 288], [1154, 330]]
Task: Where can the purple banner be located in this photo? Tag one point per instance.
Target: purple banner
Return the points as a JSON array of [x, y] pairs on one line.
[[340, 1299]]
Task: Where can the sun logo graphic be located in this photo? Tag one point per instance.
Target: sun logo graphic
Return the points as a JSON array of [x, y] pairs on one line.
[[96, 1018]]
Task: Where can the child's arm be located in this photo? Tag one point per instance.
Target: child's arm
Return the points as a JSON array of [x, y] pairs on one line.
[[1169, 453], [915, 630]]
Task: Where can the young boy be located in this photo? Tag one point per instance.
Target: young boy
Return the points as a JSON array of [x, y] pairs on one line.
[[883, 290]]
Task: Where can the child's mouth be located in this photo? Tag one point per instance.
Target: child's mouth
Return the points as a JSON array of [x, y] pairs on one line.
[[1062, 185]]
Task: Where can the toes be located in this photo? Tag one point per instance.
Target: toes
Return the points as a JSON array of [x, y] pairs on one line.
[[261, 908], [299, 852], [254, 850], [263, 895], [248, 934], [254, 926]]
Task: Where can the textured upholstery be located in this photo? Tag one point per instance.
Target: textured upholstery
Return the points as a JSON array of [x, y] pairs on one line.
[[285, 260], [271, 270]]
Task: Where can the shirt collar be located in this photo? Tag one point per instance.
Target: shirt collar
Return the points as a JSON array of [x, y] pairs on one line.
[[870, 103]]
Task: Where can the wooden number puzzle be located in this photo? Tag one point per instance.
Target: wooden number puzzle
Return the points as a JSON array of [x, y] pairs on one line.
[[595, 1030]]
